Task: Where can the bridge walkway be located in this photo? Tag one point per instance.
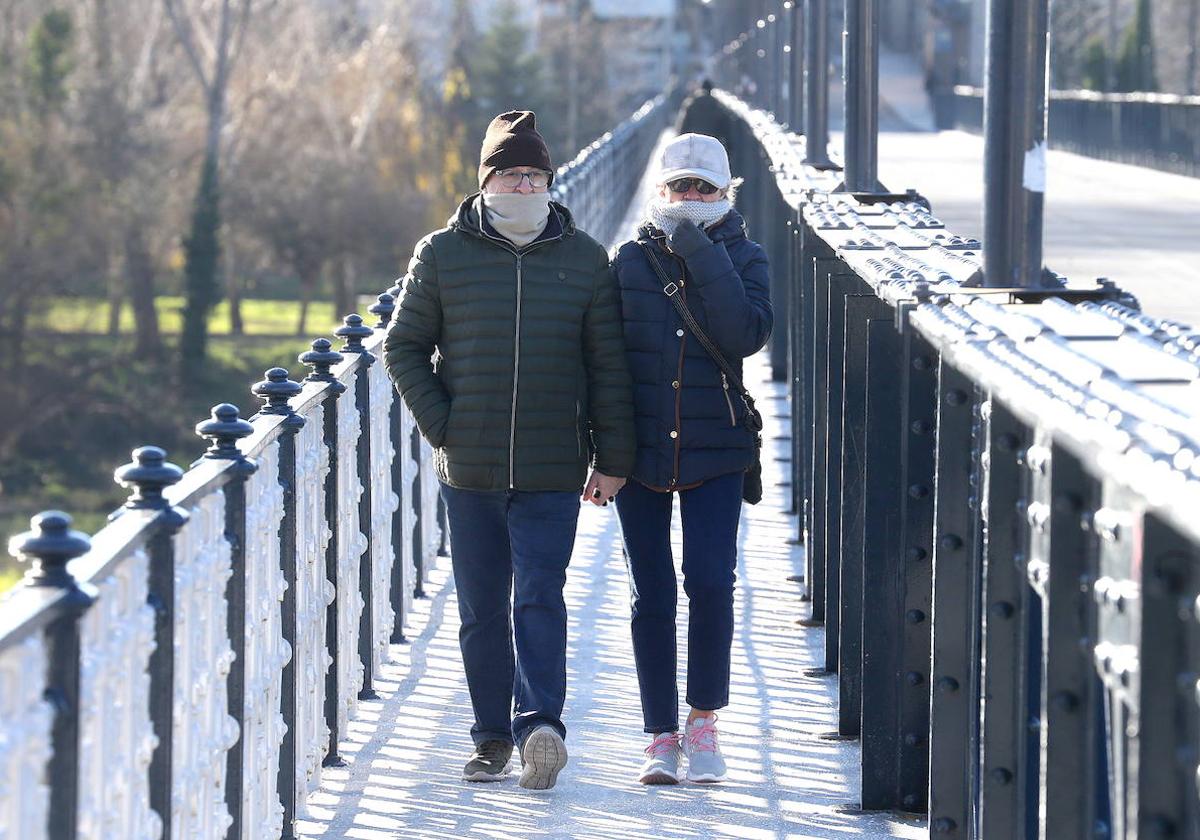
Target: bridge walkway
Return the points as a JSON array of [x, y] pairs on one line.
[[406, 750]]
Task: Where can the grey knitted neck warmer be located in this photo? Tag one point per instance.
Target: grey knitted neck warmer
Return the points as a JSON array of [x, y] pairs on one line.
[[665, 215], [518, 217]]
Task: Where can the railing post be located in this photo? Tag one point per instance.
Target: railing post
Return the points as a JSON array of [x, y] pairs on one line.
[[1015, 142], [794, 21], [816, 81], [955, 615], [321, 359], [1006, 602], [224, 429], [399, 589], [48, 547], [148, 476], [861, 76], [275, 391], [417, 497], [352, 332]]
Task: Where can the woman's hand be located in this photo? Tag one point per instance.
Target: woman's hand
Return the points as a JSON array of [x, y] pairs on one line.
[[688, 240], [601, 488]]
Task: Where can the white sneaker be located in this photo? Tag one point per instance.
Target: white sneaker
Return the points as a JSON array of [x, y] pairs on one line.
[[705, 762], [543, 756], [662, 760]]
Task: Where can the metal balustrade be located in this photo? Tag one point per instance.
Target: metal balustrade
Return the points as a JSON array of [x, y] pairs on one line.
[[188, 671], [1157, 130], [997, 490]]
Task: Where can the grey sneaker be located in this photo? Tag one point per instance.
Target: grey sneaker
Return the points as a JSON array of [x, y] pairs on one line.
[[489, 763], [662, 760], [705, 762], [543, 755]]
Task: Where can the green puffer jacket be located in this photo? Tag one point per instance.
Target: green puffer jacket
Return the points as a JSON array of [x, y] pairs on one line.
[[530, 377]]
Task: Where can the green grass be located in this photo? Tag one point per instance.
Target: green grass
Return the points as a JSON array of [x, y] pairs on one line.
[[260, 317], [9, 578]]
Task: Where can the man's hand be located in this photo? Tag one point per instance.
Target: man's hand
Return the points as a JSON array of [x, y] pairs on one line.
[[688, 240], [601, 488]]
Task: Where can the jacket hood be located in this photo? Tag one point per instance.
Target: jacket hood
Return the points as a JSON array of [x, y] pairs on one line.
[[468, 219], [732, 227]]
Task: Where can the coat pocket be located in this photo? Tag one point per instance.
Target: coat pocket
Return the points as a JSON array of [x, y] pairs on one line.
[[728, 401]]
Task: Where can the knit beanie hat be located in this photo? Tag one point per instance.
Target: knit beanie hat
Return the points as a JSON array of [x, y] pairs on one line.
[[512, 139]]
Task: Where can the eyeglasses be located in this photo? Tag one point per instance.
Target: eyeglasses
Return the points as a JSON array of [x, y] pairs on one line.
[[682, 185], [510, 179]]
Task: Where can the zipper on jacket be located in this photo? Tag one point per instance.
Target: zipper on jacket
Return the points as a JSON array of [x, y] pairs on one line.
[[678, 401], [728, 402], [512, 421]]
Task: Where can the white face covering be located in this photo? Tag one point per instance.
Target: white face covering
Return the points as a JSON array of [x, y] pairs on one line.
[[666, 215], [518, 217]]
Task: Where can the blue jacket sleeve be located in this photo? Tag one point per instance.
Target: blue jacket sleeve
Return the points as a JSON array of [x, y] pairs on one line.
[[736, 303]]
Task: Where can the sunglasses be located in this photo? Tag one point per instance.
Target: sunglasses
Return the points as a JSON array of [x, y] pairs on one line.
[[682, 185]]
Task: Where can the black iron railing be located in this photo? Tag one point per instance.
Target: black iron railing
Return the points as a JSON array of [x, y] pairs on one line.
[[1161, 131], [997, 490], [190, 669]]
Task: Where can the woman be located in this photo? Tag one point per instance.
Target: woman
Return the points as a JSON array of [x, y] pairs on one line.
[[693, 441]]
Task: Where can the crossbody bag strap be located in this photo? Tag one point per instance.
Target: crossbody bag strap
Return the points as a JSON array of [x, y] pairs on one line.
[[671, 288]]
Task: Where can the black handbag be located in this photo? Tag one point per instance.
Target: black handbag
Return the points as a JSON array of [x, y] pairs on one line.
[[752, 486]]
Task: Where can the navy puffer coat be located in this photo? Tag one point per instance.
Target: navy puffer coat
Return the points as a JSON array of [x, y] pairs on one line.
[[677, 386]]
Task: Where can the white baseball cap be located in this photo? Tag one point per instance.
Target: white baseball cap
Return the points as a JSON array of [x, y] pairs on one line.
[[696, 156]]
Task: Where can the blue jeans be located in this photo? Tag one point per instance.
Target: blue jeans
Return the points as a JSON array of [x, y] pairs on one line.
[[498, 539], [709, 515]]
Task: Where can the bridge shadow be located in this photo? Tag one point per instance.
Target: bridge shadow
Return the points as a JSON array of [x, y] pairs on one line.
[[406, 751]]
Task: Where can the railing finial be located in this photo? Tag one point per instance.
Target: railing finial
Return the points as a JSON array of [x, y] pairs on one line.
[[352, 332], [48, 546], [147, 476], [321, 358], [383, 310], [275, 391], [224, 429]]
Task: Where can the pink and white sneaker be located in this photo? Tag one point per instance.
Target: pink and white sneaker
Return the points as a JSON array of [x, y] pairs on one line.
[[705, 762], [662, 760]]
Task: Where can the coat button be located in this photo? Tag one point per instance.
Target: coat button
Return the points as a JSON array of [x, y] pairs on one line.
[[675, 384], [674, 434], [679, 333]]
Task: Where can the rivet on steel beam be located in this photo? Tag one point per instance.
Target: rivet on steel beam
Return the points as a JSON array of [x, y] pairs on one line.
[[1008, 442], [922, 363], [1001, 776], [916, 554], [914, 616], [947, 685], [911, 739], [1002, 609], [918, 491], [944, 825], [951, 542], [910, 801], [1068, 503], [1064, 701], [956, 397], [914, 678], [921, 427], [1157, 826]]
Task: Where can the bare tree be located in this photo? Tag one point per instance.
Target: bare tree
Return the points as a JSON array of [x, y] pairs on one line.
[[211, 33]]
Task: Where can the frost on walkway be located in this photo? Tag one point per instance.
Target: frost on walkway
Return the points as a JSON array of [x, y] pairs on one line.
[[406, 751]]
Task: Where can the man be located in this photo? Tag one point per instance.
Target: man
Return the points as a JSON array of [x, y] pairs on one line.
[[529, 381]]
